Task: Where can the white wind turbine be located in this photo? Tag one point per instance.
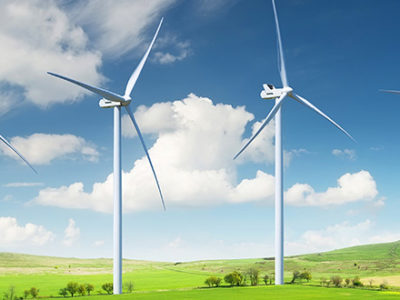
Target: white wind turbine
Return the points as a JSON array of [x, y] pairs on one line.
[[279, 94], [117, 101], [16, 151]]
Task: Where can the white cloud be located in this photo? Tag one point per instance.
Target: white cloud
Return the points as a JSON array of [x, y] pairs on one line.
[[41, 149], [350, 154], [117, 27], [23, 184], [98, 243], [12, 234], [71, 233], [354, 187], [339, 236], [182, 51], [36, 37], [193, 160]]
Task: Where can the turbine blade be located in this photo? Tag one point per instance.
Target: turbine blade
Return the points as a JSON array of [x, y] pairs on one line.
[[270, 116], [390, 91], [146, 151], [16, 151], [102, 92], [282, 70], [314, 108], [135, 75]]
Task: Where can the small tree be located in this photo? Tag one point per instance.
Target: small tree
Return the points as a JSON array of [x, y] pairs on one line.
[[306, 275], [72, 288], [213, 281], [89, 288], [371, 281], [347, 281], [234, 278], [82, 290], [383, 286], [108, 287], [26, 293], [266, 278], [296, 275], [253, 275], [129, 286], [63, 292], [34, 292], [336, 280], [357, 282]]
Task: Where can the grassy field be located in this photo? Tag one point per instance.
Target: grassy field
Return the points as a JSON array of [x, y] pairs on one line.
[[159, 280]]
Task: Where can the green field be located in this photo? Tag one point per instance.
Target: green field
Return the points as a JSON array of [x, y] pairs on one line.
[[160, 280]]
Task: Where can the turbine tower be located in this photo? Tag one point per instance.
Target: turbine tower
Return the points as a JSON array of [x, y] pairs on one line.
[[16, 151], [116, 101], [279, 94]]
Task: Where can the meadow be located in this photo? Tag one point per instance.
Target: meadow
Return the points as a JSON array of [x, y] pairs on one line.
[[185, 280]]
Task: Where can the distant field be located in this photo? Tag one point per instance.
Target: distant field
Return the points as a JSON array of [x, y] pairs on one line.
[[158, 280]]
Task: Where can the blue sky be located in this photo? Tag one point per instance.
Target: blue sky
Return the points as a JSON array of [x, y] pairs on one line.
[[196, 101]]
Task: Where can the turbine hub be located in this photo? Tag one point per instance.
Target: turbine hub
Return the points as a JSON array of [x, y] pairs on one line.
[[105, 103]]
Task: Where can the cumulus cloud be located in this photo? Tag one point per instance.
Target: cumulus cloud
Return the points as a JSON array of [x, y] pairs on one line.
[[12, 234], [193, 160], [41, 149], [350, 154], [354, 187], [340, 235], [71, 233], [37, 36]]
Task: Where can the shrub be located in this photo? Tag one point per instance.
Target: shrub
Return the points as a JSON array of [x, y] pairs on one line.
[[357, 282], [108, 287], [26, 293], [296, 275], [10, 294], [336, 280], [89, 288], [347, 281], [323, 281], [253, 275], [82, 290], [266, 278], [383, 286], [306, 275], [63, 292], [213, 281], [34, 292], [72, 288], [129, 286], [234, 278]]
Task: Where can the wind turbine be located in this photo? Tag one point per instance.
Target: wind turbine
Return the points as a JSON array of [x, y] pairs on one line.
[[111, 99], [3, 139], [279, 94]]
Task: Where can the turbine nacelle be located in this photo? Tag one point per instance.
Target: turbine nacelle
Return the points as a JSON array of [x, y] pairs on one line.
[[105, 103], [270, 92]]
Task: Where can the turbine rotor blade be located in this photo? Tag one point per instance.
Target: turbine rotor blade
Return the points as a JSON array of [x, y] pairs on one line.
[[135, 75], [16, 151], [314, 108], [270, 116], [282, 70], [102, 92], [390, 91], [146, 151]]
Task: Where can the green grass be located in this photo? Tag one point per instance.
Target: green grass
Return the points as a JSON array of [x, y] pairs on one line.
[[183, 280]]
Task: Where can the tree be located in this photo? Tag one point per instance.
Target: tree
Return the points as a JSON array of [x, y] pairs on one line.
[[213, 281], [26, 293], [89, 288], [63, 292], [306, 275], [234, 278], [266, 278], [357, 282], [336, 280], [253, 275], [82, 290], [34, 292], [347, 281], [108, 287], [296, 275], [129, 286], [72, 288], [383, 286]]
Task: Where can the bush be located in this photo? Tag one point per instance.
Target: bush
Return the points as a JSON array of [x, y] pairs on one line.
[[82, 290], [306, 275], [108, 287], [26, 293], [266, 279], [63, 292], [213, 281], [357, 282], [234, 278], [383, 286], [10, 294], [129, 286], [34, 292], [296, 275], [336, 280], [253, 275], [72, 288], [347, 281]]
